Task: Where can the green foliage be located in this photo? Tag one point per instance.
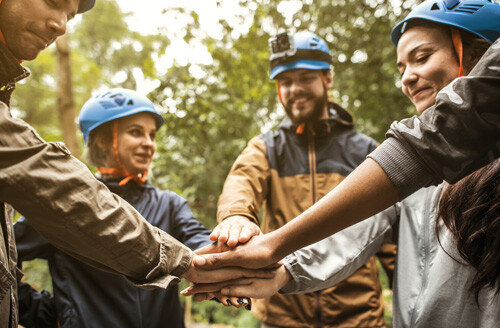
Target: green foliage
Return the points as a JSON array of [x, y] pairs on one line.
[[211, 115]]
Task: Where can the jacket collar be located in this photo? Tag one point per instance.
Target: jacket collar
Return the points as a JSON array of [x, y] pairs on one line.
[[112, 184], [338, 117], [11, 71]]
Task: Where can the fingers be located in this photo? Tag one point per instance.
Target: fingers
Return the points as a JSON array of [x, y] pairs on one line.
[[234, 234], [235, 229], [197, 275], [214, 261], [207, 288], [248, 231], [215, 233], [226, 301]]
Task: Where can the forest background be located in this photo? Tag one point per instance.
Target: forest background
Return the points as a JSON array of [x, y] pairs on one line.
[[214, 91]]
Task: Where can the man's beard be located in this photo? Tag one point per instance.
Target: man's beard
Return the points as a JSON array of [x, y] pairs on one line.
[[314, 115]]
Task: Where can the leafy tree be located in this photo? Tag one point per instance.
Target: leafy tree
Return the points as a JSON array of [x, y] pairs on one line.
[[212, 111]]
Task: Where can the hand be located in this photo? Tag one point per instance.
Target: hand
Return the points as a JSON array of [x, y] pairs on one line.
[[257, 253], [197, 274], [235, 229], [244, 287], [237, 302]]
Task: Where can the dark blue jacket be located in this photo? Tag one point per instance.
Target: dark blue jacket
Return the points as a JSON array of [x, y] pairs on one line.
[[87, 297]]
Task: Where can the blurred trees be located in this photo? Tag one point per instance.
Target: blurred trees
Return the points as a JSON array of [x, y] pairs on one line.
[[212, 110]]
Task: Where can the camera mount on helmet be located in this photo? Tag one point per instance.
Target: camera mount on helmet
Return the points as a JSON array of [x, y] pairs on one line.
[[302, 50], [281, 46]]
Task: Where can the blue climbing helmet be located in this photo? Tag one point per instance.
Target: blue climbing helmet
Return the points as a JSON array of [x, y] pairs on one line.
[[85, 5], [111, 105], [302, 50], [480, 17]]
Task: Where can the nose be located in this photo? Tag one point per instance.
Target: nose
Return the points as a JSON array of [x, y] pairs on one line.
[[57, 24], [409, 77], [296, 87], [148, 141]]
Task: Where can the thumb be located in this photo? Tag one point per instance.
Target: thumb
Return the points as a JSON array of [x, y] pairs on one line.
[[214, 261], [199, 261]]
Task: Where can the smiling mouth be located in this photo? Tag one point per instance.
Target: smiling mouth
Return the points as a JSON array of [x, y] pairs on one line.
[[418, 92], [42, 41]]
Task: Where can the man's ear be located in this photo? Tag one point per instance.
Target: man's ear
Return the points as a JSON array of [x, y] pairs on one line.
[[329, 79]]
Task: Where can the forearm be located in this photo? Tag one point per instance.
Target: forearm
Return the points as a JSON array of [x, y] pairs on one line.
[[246, 185], [76, 213], [331, 260], [365, 192]]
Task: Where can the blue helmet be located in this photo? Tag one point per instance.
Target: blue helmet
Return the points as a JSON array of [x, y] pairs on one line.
[[85, 5], [302, 50], [480, 17], [111, 105]]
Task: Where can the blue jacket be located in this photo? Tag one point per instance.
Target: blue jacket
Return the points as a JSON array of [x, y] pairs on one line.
[[88, 297]]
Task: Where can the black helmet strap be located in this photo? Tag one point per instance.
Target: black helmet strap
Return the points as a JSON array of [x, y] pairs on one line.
[[311, 54]]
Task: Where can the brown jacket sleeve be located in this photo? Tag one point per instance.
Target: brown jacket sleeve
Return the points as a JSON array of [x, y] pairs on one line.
[[387, 258], [75, 212], [247, 183]]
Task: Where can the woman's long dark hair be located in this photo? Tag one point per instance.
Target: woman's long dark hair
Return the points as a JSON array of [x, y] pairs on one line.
[[470, 209]]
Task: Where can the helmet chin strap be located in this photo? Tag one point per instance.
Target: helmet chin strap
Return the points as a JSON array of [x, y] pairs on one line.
[[457, 44], [121, 171], [300, 129]]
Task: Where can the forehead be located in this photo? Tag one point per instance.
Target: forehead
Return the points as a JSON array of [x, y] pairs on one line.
[[290, 74], [420, 35]]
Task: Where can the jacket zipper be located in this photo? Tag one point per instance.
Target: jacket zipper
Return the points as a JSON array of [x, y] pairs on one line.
[[428, 208], [312, 165], [312, 168]]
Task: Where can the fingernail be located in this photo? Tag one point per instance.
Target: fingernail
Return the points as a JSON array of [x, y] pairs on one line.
[[228, 301], [240, 301]]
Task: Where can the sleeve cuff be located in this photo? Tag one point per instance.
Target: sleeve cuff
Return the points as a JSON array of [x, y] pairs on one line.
[[404, 170]]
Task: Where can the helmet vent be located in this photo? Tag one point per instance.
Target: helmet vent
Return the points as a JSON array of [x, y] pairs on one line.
[[106, 104], [468, 9], [435, 7], [314, 42], [119, 99], [130, 102]]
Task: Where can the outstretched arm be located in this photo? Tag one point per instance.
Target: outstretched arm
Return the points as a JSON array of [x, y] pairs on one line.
[[466, 114], [365, 192]]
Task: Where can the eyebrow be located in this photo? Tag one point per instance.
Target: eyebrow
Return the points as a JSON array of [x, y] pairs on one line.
[[414, 50], [135, 125]]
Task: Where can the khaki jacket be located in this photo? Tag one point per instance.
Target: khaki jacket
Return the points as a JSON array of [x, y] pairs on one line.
[[285, 173], [76, 213]]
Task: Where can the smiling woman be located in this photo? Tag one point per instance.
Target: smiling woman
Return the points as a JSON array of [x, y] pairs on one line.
[[119, 128]]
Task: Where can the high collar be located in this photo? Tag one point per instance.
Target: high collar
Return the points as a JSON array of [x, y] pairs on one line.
[[338, 117], [112, 183], [11, 71]]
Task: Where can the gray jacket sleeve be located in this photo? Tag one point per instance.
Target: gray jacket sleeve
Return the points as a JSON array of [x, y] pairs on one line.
[[78, 214], [453, 138], [331, 260]]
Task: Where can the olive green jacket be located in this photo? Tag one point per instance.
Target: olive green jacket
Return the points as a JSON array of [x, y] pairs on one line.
[[65, 203]]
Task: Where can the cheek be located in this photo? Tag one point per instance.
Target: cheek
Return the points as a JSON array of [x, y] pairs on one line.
[[405, 91]]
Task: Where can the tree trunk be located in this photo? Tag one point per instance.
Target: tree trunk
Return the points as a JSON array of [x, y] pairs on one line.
[[65, 102]]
